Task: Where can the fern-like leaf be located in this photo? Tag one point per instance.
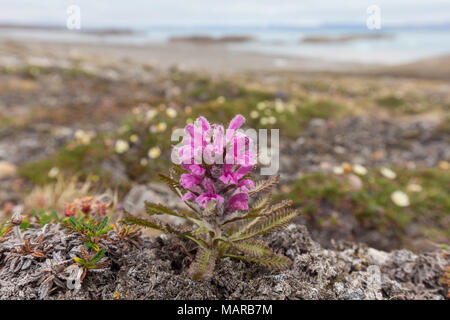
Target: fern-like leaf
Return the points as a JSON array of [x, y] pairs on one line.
[[264, 185], [204, 264], [174, 185], [260, 205], [156, 208], [283, 204], [183, 231], [158, 225], [265, 224], [253, 248]]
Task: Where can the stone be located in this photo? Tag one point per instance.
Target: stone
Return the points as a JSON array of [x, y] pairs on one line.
[[7, 169]]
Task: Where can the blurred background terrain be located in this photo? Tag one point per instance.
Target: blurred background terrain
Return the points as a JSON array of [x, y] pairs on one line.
[[364, 115]]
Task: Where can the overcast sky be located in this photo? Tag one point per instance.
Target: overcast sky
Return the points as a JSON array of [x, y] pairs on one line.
[[142, 13]]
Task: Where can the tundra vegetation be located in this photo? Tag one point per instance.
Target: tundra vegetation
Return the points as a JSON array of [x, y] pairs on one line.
[[364, 158]]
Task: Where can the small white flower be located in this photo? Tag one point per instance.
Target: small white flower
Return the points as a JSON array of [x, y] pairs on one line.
[[254, 114], [400, 198], [144, 162], [79, 134], [414, 187], [388, 173], [359, 169], [264, 121], [53, 173], [154, 152], [161, 127], [121, 146], [134, 138], [261, 105], [338, 170], [151, 114], [279, 106], [84, 137], [171, 112], [221, 99], [272, 120]]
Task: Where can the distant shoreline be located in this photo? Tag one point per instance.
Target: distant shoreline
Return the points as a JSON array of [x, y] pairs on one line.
[[96, 31], [214, 59], [346, 37], [336, 47]]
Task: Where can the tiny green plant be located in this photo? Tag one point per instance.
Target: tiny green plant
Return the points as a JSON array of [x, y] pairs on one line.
[[87, 216], [43, 217], [220, 220], [91, 261], [90, 228]]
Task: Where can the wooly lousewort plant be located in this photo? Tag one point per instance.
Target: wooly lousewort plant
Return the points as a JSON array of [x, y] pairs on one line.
[[213, 179]]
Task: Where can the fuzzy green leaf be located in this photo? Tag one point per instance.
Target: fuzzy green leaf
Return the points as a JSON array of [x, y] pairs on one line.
[[264, 185], [174, 185], [204, 264], [156, 208], [265, 224], [283, 204], [157, 224], [260, 204], [253, 248]]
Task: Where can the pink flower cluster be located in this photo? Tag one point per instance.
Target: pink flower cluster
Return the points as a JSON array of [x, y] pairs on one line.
[[87, 206], [218, 161]]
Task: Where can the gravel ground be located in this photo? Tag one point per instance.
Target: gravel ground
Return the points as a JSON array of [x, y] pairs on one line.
[[157, 270]]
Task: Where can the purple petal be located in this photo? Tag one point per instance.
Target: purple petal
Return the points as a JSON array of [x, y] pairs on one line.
[[189, 129], [246, 185], [237, 122], [194, 169], [190, 180], [242, 171], [208, 185], [203, 199], [227, 175], [238, 202], [188, 196], [204, 123]]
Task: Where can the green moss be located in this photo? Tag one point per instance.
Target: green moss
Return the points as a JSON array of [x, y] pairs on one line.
[[81, 159], [372, 204], [76, 72], [33, 72], [390, 102]]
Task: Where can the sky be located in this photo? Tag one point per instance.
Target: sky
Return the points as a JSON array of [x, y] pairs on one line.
[[142, 13]]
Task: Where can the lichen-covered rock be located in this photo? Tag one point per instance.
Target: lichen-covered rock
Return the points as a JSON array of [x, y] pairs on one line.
[[158, 270]]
